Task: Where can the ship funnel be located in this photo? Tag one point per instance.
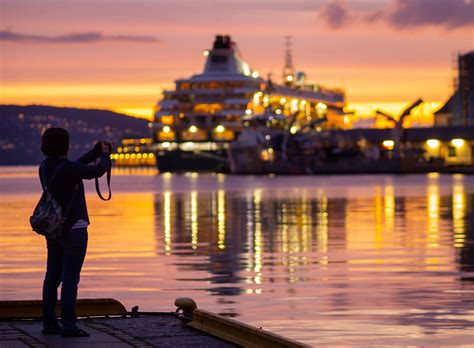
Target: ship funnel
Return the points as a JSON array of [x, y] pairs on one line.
[[224, 58]]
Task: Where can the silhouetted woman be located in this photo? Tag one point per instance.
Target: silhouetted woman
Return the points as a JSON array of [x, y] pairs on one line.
[[66, 254]]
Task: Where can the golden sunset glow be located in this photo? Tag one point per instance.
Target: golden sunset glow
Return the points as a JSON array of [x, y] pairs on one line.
[[387, 67]]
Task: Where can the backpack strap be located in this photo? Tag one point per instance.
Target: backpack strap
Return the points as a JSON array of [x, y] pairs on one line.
[[43, 174]]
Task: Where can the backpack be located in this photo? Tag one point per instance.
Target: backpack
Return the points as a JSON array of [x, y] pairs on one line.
[[48, 217]]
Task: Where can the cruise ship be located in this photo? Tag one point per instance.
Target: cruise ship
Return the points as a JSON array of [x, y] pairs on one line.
[[194, 123]]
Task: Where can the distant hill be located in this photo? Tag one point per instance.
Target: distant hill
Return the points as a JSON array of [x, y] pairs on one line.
[[21, 128]]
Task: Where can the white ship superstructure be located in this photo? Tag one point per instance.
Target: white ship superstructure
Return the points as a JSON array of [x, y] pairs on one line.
[[194, 123]]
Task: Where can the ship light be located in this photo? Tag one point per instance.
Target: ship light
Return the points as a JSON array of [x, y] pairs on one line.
[[388, 144], [282, 101], [267, 137], [133, 155], [255, 74], [303, 102], [119, 149], [166, 129], [193, 129], [265, 99], [289, 78], [293, 129], [205, 53], [139, 155], [457, 142], [278, 111], [432, 143], [322, 106], [137, 149], [256, 98], [150, 125], [220, 129], [248, 112]]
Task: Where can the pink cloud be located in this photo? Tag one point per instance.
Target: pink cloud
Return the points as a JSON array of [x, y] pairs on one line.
[[403, 14], [86, 37]]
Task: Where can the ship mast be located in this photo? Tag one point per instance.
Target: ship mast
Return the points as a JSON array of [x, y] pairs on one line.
[[288, 70]]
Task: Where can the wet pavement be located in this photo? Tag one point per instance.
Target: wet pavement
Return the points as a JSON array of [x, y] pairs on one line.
[[149, 331]]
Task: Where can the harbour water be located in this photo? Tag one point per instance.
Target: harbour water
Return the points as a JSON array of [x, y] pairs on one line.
[[344, 260]]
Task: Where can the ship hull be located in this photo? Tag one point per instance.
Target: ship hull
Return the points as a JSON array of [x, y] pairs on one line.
[[248, 161], [191, 161]]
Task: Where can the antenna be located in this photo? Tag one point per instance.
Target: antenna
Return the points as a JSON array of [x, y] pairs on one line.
[[288, 55], [288, 70]]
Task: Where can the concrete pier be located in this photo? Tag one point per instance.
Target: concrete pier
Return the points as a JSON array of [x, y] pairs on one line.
[[142, 331]]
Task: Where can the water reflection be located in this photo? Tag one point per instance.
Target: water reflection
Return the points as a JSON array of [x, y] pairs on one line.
[[399, 258], [459, 210], [243, 235]]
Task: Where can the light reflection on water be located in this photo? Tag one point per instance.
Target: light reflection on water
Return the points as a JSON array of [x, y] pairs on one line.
[[326, 260]]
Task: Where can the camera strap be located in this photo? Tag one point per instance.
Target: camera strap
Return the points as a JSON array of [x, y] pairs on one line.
[[97, 188]]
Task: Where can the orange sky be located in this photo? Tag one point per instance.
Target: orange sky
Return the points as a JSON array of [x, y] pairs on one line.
[[121, 54]]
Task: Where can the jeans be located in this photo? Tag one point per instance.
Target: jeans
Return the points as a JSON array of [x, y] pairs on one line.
[[65, 258]]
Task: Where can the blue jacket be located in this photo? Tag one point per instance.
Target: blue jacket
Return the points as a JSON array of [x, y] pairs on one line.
[[69, 178]]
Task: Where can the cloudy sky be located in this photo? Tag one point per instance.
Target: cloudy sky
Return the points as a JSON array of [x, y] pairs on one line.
[[120, 54]]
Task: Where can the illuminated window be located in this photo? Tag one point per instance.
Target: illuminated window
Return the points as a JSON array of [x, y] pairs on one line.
[[167, 119], [388, 144], [432, 143], [457, 142], [165, 136]]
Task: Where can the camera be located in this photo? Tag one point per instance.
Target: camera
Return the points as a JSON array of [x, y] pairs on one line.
[[105, 146], [109, 145]]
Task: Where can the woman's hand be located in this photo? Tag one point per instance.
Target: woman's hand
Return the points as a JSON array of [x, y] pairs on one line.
[[98, 148], [107, 147]]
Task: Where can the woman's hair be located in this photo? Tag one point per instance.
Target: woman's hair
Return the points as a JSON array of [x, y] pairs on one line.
[[55, 142]]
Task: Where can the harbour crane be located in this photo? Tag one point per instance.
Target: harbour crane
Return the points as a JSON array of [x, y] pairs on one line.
[[398, 130]]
